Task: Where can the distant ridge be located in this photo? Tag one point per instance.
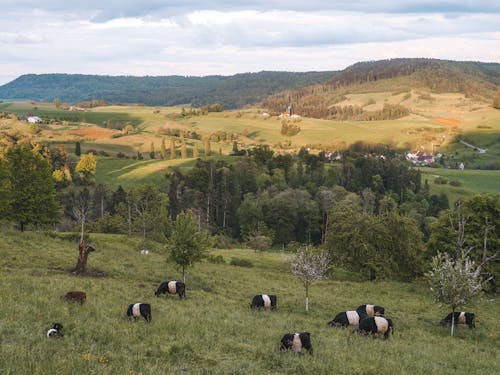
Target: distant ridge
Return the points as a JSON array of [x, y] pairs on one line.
[[231, 91], [404, 74]]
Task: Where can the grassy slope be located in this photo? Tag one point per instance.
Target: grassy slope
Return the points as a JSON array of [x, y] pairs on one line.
[[472, 182], [213, 330]]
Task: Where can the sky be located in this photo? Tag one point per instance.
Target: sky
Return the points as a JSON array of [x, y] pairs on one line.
[[198, 38]]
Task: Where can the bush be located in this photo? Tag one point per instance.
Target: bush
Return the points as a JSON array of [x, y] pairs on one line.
[[216, 259], [259, 242], [440, 181], [241, 262], [455, 183], [223, 242]]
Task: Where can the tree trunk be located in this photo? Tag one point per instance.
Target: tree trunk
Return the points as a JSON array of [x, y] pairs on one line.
[[83, 253], [307, 298], [452, 321], [184, 274]]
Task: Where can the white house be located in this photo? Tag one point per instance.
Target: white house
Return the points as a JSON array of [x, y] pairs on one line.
[[34, 119]]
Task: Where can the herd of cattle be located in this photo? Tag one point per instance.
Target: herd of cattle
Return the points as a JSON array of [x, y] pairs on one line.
[[369, 319]]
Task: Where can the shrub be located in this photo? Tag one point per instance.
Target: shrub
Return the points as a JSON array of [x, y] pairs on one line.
[[241, 262], [455, 183], [216, 259]]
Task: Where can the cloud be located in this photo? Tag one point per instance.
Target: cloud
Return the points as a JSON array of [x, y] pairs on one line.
[[225, 37]]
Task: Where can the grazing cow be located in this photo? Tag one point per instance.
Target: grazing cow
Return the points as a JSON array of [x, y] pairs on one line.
[[76, 296], [347, 318], [371, 310], [136, 310], [297, 342], [55, 331], [264, 301], [460, 318], [376, 324], [172, 287]]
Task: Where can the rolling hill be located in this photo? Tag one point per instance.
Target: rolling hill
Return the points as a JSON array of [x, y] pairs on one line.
[[230, 91], [473, 79]]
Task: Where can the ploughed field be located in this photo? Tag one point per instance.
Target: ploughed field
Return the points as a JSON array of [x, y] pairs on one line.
[[213, 331]]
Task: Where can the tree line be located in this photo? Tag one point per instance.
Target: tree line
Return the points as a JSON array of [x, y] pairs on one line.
[[370, 210]]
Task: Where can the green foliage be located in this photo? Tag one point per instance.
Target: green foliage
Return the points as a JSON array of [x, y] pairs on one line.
[[241, 262], [166, 90], [388, 245], [32, 188], [5, 188], [187, 245], [78, 149], [259, 242]]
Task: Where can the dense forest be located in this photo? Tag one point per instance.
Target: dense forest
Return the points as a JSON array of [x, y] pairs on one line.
[[398, 75], [230, 91], [369, 209]]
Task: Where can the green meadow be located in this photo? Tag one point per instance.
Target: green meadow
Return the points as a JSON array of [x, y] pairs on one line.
[[469, 182], [213, 331]]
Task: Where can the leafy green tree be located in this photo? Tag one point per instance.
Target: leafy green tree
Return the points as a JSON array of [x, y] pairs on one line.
[[33, 192], [187, 245], [5, 189]]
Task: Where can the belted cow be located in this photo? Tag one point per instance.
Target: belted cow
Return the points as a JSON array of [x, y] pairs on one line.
[[264, 301], [172, 287]]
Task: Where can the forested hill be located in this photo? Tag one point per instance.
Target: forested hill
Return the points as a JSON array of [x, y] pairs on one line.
[[396, 75], [230, 91]]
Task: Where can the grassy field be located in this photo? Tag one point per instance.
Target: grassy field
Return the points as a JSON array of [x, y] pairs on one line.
[[471, 182], [213, 331]]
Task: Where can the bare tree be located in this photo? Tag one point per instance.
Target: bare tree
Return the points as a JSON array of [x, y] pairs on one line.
[[309, 266], [81, 209]]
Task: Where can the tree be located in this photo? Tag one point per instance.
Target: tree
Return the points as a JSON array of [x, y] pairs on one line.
[[57, 102], [496, 101], [187, 245], [81, 209], [163, 149], [87, 166], [5, 189], [183, 148], [455, 282], [195, 151], [310, 266], [172, 148], [152, 151], [78, 150], [207, 146], [33, 196]]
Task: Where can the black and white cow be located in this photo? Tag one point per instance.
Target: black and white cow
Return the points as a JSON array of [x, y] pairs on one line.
[[136, 310], [376, 324], [264, 301], [55, 331], [461, 317], [172, 287], [297, 342], [347, 318], [371, 310]]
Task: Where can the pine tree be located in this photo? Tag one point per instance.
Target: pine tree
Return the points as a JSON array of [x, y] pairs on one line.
[[33, 191], [163, 149], [183, 148], [152, 151], [78, 150], [172, 148], [196, 153], [207, 146]]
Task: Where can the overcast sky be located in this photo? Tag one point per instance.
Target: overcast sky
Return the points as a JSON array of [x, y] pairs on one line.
[[190, 37]]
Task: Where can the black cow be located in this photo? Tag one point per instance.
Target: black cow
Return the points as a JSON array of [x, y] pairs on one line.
[[461, 317], [264, 301], [347, 318], [172, 287], [376, 324], [297, 342], [136, 310], [371, 310], [55, 331]]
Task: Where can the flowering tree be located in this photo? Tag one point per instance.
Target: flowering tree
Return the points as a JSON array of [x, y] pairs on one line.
[[310, 267], [454, 281]]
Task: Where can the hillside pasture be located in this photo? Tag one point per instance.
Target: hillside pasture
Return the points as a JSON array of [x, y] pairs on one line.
[[470, 182], [213, 331]]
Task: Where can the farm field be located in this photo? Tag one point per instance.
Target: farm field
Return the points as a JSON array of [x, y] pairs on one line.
[[471, 182], [213, 331]]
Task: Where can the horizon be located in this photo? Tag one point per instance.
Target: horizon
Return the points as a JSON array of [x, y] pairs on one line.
[[195, 39]]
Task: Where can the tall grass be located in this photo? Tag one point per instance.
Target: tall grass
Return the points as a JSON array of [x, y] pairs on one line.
[[213, 331]]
